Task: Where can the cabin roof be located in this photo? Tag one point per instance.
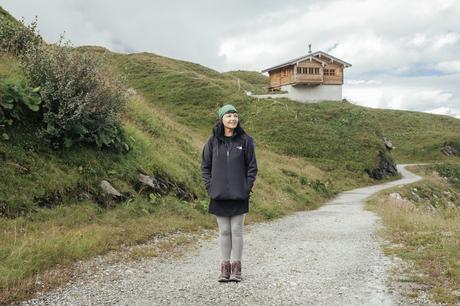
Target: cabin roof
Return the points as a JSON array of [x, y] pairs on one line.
[[318, 55]]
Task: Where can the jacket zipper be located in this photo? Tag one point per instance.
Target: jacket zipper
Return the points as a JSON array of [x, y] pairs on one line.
[[228, 153]]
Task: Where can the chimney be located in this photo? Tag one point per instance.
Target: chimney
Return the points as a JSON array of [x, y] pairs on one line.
[[309, 48]]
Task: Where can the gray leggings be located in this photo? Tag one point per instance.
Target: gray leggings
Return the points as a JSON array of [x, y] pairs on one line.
[[231, 236]]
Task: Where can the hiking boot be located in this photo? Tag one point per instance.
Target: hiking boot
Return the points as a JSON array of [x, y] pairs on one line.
[[236, 271], [225, 268]]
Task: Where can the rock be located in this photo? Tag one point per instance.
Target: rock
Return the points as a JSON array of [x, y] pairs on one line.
[[395, 195], [451, 149], [147, 180], [84, 196], [157, 184], [387, 167], [387, 143], [107, 188], [163, 185]]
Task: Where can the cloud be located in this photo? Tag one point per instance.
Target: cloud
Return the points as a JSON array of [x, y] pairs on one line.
[[449, 66], [420, 94], [372, 35], [445, 111]]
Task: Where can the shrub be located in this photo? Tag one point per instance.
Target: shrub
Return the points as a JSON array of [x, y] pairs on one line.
[[82, 100]]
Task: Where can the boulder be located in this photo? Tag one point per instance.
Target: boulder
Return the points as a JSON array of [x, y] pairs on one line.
[[109, 189], [387, 143]]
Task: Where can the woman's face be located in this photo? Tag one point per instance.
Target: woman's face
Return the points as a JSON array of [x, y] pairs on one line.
[[230, 120]]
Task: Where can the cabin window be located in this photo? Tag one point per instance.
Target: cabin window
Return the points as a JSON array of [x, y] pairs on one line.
[[329, 71], [307, 70]]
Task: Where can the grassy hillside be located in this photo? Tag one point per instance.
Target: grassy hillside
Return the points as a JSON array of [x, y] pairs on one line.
[[418, 136], [332, 135], [258, 80]]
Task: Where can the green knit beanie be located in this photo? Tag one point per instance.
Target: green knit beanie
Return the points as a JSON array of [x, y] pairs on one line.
[[228, 108]]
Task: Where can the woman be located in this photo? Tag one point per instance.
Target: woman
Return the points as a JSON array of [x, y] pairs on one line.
[[229, 169]]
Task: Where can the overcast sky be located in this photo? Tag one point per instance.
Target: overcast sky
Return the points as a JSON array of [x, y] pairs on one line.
[[405, 54]]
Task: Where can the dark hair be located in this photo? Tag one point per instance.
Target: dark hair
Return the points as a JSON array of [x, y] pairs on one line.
[[218, 130]]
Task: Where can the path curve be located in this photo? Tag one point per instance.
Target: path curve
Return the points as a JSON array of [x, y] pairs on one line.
[[328, 256]]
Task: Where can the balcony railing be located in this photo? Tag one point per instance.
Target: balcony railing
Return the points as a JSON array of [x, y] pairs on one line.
[[308, 78]]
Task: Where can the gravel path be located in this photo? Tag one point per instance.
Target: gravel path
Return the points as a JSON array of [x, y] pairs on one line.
[[329, 256]]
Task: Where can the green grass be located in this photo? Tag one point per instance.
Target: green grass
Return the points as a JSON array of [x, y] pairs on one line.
[[254, 78], [417, 136]]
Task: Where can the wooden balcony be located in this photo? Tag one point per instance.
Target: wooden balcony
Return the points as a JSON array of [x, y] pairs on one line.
[[308, 79]]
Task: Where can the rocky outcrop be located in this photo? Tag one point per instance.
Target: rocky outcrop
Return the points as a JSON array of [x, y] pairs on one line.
[[162, 185], [386, 165], [159, 184], [451, 149]]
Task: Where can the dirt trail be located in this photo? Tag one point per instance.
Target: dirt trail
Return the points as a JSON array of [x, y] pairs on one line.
[[329, 256]]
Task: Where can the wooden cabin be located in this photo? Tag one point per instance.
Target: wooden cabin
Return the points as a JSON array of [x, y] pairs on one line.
[[316, 76]]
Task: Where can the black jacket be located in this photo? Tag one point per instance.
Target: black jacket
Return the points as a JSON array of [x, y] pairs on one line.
[[229, 168]]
